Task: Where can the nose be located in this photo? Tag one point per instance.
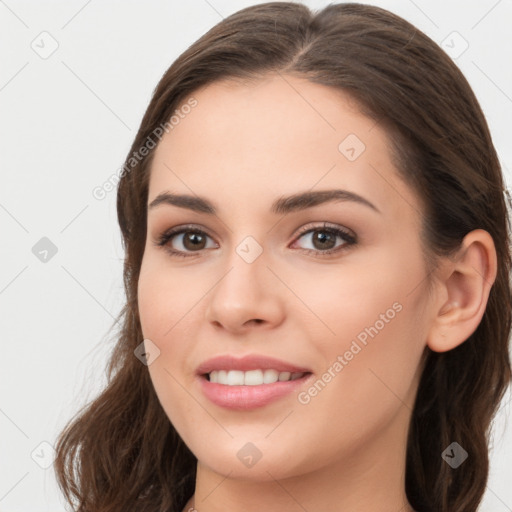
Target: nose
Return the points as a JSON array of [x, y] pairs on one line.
[[247, 295]]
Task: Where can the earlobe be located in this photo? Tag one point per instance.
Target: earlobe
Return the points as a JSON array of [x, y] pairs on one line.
[[464, 291]]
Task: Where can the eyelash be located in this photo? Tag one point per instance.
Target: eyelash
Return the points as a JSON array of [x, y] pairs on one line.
[[348, 238]]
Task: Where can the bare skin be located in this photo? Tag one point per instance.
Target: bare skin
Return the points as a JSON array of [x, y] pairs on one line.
[[342, 448]]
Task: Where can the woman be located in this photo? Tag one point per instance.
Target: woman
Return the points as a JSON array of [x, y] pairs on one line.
[[340, 339]]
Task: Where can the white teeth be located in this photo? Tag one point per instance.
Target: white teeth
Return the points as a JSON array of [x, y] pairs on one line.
[[235, 378], [251, 377], [270, 376]]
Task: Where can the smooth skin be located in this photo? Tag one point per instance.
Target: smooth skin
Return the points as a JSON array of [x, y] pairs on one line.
[[242, 147]]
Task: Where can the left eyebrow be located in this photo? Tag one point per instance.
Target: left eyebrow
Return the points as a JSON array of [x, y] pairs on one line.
[[295, 202]]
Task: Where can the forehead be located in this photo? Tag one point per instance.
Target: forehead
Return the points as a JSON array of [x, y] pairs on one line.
[[272, 137]]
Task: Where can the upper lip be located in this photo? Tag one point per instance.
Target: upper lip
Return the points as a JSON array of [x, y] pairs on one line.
[[249, 362]]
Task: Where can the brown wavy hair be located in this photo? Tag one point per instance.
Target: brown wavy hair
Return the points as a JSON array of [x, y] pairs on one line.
[[120, 452]]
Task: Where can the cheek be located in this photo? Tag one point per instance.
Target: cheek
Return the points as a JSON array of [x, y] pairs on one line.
[[371, 316], [369, 372], [339, 303], [166, 300], [166, 296]]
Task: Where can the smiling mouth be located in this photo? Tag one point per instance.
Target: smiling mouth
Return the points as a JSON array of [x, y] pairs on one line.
[[251, 377], [243, 390]]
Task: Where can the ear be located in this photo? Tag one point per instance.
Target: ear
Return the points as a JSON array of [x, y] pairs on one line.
[[463, 291]]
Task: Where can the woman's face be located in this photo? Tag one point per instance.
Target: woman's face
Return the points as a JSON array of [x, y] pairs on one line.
[[267, 275]]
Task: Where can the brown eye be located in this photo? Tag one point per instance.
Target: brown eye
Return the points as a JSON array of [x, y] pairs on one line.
[[192, 241], [184, 241], [323, 239]]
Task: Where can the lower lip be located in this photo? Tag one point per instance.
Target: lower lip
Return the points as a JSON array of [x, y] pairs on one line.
[[249, 397]]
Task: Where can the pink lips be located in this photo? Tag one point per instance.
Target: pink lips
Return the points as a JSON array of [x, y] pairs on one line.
[[248, 397], [246, 363]]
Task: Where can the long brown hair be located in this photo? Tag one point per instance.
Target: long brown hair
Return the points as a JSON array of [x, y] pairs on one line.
[[120, 452]]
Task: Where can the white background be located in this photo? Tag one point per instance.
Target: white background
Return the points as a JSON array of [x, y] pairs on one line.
[[66, 124]]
